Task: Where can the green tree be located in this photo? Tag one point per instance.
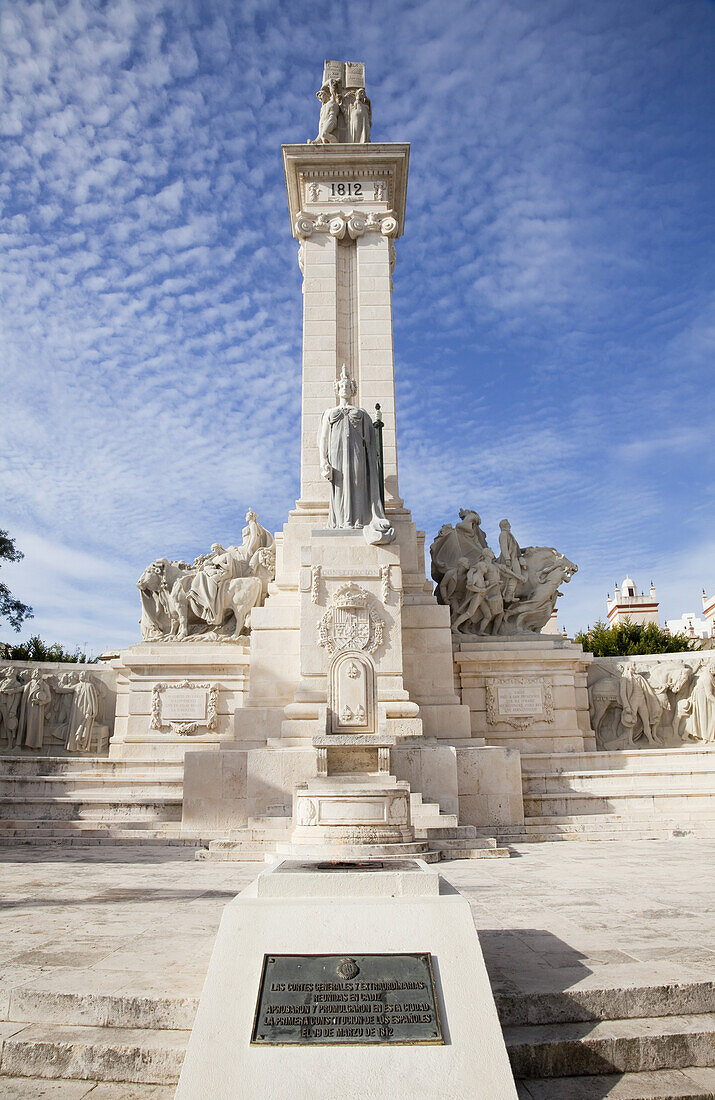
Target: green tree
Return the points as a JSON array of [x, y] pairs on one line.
[[15, 611], [37, 650], [627, 639]]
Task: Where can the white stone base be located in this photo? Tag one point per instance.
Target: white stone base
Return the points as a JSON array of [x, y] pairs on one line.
[[330, 918], [204, 681], [527, 692], [352, 810]]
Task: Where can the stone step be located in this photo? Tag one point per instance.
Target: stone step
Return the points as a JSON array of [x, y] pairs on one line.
[[541, 835], [32, 1088], [143, 1055], [452, 832], [474, 853], [91, 807], [120, 787], [690, 1083], [608, 1003], [438, 845], [623, 1046], [87, 765], [99, 1009], [664, 801], [620, 760], [57, 825], [618, 786], [666, 826], [636, 771], [109, 840], [617, 819], [244, 855]]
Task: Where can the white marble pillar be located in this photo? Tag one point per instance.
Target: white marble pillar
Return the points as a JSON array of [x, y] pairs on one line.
[[376, 367], [347, 205], [320, 350]]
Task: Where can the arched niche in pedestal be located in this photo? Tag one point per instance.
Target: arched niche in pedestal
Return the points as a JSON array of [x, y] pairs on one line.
[[352, 699]]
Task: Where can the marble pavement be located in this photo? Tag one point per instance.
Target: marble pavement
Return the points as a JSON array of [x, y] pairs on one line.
[[139, 921]]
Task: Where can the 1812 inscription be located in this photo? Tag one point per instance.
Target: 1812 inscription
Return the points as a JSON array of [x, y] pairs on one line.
[[334, 999]]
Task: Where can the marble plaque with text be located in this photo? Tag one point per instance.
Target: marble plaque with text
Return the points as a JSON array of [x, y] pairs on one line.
[[520, 700], [184, 704]]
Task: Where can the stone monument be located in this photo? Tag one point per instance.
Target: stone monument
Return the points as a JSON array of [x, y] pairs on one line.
[[348, 732]]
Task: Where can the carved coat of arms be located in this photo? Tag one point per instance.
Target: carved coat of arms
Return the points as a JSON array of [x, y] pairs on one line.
[[350, 622]]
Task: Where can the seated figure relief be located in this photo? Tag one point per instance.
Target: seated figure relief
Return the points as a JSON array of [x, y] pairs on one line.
[[514, 593], [652, 703], [212, 598]]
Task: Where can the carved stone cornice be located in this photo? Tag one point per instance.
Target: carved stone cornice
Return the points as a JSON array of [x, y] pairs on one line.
[[353, 222]]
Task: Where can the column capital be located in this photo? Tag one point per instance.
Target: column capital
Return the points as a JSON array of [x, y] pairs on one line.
[[369, 178], [354, 222]]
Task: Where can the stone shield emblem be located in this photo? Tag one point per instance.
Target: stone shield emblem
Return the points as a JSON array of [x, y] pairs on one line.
[[351, 627]]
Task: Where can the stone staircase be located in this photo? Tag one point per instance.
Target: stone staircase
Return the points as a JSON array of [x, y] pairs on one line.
[[60, 800], [437, 836], [95, 1037], [93, 801], [641, 794], [635, 1043]]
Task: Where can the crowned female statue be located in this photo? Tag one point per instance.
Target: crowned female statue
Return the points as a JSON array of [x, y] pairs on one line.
[[348, 460]]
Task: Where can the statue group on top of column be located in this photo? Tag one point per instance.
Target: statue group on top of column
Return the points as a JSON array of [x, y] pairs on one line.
[[347, 447], [212, 598], [34, 713], [514, 593], [345, 110]]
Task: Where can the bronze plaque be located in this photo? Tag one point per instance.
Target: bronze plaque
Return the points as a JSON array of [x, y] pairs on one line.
[[337, 999]]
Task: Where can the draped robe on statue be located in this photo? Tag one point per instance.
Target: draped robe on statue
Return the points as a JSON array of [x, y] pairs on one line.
[[347, 444], [84, 711], [35, 698]]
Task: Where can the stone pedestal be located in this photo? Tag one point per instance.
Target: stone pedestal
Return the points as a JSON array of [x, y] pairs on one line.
[[527, 692], [177, 697], [357, 809], [303, 911]]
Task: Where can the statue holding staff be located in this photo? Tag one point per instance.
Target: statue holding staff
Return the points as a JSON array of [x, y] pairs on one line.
[[348, 460]]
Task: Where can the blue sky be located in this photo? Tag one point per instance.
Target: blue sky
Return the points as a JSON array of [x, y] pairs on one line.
[[554, 296]]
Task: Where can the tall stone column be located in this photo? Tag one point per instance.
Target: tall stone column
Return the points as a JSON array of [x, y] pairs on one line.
[[347, 207]]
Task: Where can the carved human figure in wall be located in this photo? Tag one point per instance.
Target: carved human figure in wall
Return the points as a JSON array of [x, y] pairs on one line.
[[330, 114], [85, 707], [35, 698], [699, 708], [348, 460], [11, 688], [641, 706], [360, 117], [672, 685]]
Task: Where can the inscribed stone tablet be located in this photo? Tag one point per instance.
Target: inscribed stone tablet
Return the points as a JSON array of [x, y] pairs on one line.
[[339, 999], [183, 704], [520, 699], [333, 70], [354, 74]]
